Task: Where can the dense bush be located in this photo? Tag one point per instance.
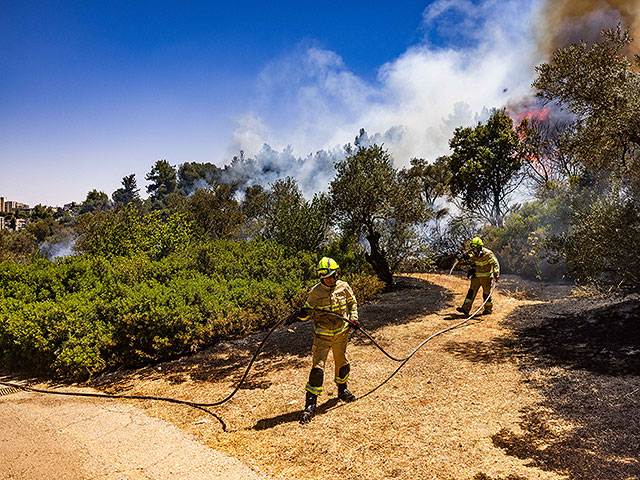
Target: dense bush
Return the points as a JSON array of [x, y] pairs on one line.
[[521, 245], [127, 231], [79, 315], [601, 246], [20, 246]]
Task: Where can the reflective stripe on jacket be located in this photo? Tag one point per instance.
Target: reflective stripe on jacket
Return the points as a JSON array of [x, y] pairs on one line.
[[486, 263], [338, 299]]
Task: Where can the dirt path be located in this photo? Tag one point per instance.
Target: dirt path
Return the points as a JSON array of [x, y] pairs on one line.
[[498, 399], [435, 419], [53, 437]]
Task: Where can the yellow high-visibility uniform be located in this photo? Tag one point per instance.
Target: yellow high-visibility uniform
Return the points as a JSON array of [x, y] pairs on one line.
[[330, 332], [486, 267]]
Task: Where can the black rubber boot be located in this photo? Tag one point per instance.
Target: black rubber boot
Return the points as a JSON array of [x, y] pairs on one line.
[[345, 395], [309, 408], [486, 311], [462, 310]]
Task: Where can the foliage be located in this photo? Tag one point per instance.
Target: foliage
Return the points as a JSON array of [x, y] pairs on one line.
[[485, 167], [193, 175], [20, 246], [600, 248], [41, 212], [129, 192], [126, 231], [79, 315], [95, 201], [432, 178], [43, 228], [521, 243], [600, 87], [254, 207], [292, 221], [214, 210], [372, 200], [163, 181], [348, 253]]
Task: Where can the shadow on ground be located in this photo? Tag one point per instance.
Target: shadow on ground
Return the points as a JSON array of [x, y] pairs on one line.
[[294, 416], [583, 356]]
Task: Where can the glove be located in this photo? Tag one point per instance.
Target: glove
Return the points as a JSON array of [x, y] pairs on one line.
[[471, 273], [297, 315], [496, 278], [355, 324]]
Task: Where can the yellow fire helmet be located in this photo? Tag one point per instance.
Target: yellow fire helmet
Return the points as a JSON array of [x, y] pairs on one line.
[[327, 267], [477, 242]]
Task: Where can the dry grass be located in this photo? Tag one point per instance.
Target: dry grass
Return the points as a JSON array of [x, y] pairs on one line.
[[464, 407]]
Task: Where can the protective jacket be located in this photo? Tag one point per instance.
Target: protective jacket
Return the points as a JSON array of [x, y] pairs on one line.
[[338, 299], [330, 332], [485, 264]]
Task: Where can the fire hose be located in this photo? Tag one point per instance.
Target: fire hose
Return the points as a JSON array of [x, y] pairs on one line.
[[277, 325], [404, 360]]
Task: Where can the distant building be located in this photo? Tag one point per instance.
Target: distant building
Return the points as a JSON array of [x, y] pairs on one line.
[[1, 223], [12, 206], [20, 223]]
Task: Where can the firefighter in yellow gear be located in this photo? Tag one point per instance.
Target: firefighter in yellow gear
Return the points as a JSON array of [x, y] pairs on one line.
[[329, 332], [484, 271]]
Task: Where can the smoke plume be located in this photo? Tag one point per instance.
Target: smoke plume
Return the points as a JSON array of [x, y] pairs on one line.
[[61, 249], [475, 56], [571, 21], [311, 102]]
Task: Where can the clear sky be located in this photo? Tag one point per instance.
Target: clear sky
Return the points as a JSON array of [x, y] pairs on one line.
[[93, 91]]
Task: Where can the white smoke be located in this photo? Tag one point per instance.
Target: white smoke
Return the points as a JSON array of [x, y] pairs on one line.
[[58, 250], [310, 101], [313, 173]]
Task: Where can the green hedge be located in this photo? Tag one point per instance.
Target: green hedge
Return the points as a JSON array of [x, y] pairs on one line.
[[79, 315]]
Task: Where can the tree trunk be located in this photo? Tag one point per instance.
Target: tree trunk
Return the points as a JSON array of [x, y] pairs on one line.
[[377, 260]]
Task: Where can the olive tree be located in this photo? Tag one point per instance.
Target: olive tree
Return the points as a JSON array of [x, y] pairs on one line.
[[370, 199]]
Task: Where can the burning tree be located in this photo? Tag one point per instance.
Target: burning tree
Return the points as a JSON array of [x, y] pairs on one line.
[[600, 87]]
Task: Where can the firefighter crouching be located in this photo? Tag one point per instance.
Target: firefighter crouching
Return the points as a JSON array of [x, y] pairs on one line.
[[329, 332], [485, 268]]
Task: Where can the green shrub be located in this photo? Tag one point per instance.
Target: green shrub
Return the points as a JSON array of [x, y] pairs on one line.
[[365, 286], [79, 315], [521, 244], [601, 246]]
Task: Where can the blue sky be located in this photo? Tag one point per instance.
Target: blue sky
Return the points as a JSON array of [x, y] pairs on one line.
[[93, 91]]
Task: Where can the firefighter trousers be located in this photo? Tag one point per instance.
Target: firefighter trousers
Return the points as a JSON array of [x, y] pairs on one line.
[[320, 351], [476, 283]]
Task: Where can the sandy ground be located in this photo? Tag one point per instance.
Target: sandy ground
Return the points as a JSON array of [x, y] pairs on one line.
[[526, 393]]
